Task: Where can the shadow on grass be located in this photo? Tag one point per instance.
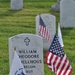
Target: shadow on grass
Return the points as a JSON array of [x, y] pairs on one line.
[[8, 12]]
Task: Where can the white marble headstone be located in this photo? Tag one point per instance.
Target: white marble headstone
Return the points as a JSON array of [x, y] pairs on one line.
[[30, 50], [67, 13], [50, 22], [16, 4]]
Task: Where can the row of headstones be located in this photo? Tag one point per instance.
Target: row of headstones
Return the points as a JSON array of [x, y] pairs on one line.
[[67, 11], [30, 46]]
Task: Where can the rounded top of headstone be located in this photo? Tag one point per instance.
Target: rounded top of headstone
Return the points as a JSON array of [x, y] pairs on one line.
[[25, 34]]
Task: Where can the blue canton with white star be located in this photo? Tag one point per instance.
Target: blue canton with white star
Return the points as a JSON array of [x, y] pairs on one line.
[[56, 48]]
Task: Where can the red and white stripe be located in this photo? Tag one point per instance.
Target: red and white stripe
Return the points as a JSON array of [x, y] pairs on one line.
[[60, 66], [44, 32]]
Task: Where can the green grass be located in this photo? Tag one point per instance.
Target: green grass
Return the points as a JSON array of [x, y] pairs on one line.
[[23, 21]]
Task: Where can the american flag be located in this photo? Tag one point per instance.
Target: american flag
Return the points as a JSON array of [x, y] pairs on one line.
[[56, 59], [43, 30]]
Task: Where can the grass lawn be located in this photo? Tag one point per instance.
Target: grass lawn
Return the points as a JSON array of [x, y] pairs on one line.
[[23, 21]]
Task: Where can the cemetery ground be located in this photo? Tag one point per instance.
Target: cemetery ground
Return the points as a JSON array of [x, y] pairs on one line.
[[23, 21]]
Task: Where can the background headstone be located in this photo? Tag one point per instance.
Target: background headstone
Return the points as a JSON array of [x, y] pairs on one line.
[[56, 7], [67, 13], [50, 22], [30, 50], [16, 4]]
